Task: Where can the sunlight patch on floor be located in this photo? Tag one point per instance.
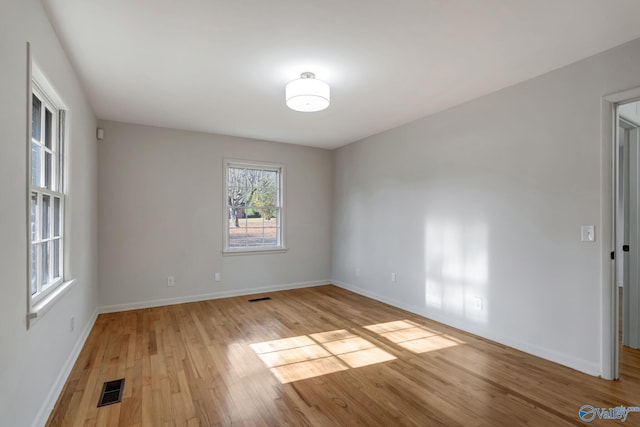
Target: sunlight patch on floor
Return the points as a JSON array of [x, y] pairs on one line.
[[414, 337], [308, 356], [308, 369]]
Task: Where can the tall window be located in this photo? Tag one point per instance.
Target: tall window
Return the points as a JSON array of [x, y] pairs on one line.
[[253, 207], [46, 192]]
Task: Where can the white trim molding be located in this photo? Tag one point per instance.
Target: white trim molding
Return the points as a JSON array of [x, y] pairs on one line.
[[545, 353], [280, 206], [609, 286], [213, 295]]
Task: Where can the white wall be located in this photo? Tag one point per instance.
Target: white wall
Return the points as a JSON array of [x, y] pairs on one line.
[[34, 362], [486, 200], [160, 214]]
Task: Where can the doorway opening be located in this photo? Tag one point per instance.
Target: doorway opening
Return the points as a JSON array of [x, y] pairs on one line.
[[628, 224], [626, 332]]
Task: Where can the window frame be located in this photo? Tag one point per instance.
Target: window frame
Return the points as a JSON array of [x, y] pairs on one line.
[[280, 168], [38, 86], [56, 192]]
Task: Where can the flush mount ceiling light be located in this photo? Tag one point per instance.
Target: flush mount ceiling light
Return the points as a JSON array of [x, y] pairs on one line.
[[307, 93]]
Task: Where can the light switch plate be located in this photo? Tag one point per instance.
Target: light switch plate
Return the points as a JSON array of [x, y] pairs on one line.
[[588, 233]]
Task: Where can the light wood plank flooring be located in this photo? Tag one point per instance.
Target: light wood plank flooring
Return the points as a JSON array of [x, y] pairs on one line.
[[320, 356]]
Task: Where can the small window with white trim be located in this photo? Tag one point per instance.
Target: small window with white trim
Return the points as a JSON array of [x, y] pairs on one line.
[[254, 212], [46, 194]]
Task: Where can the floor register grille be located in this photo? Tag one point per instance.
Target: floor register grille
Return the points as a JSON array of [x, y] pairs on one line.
[[111, 392]]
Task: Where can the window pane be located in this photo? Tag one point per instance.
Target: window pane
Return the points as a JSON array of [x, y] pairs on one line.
[[47, 169], [255, 242], [237, 228], [254, 231], [254, 220], [270, 187], [271, 236], [246, 181], [35, 164], [34, 269], [237, 218], [34, 216], [59, 158], [36, 118], [272, 217], [237, 242], [48, 128], [44, 254], [57, 213], [56, 257], [46, 208], [253, 200]]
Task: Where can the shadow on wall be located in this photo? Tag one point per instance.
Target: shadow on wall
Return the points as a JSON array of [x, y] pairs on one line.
[[456, 262]]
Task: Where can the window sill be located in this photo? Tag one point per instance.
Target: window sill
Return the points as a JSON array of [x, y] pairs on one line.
[[260, 251], [39, 309]]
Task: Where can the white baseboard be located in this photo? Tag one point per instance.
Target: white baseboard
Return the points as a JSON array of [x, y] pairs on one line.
[[45, 410], [554, 356], [204, 297]]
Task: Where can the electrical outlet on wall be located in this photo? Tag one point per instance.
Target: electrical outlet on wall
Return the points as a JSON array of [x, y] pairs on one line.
[[171, 281], [216, 277], [477, 303], [72, 324], [393, 277]]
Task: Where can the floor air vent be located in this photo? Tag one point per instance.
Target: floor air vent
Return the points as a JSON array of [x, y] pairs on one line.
[[260, 299], [111, 392]]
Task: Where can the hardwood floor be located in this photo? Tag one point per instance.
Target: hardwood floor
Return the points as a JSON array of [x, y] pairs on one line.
[[320, 357]]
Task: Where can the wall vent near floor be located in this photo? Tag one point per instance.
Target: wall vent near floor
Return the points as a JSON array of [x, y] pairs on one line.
[[260, 299], [111, 392]]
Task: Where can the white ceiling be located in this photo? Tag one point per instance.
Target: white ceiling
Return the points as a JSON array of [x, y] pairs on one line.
[[220, 66]]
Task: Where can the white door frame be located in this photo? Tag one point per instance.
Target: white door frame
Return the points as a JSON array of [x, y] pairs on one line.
[[609, 125], [630, 299]]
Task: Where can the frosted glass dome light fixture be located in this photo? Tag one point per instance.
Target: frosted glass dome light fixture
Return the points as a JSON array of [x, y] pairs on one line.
[[307, 93]]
